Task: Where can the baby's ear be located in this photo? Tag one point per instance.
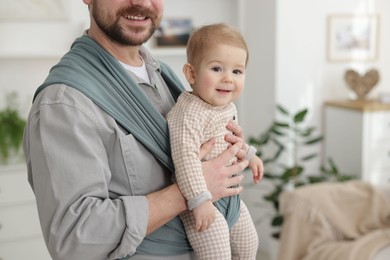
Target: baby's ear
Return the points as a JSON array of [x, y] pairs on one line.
[[189, 73]]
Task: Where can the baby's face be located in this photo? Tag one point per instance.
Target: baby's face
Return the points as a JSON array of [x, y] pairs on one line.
[[220, 77]]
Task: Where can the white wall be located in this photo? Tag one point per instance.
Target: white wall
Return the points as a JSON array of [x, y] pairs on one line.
[[304, 77], [258, 100]]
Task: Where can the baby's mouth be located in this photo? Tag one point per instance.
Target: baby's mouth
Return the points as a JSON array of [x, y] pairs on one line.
[[224, 90]]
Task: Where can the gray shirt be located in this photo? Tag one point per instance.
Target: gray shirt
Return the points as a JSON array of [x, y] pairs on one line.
[[89, 176]]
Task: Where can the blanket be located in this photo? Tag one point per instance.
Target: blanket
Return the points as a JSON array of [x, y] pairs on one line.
[[334, 221]]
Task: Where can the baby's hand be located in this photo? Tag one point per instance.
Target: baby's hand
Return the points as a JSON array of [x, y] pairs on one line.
[[256, 165], [204, 216]]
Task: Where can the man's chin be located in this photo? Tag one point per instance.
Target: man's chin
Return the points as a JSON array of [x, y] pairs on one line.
[[137, 38]]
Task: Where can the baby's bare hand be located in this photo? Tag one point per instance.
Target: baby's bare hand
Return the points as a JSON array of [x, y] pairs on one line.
[[256, 166], [204, 216]]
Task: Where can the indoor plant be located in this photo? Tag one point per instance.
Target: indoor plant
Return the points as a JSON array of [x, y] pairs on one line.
[[11, 129], [282, 149]]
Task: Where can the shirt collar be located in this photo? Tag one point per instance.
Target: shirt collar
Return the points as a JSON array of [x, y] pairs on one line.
[[148, 58]]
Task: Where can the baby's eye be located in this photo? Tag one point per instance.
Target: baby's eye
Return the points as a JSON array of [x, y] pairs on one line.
[[238, 72], [216, 68]]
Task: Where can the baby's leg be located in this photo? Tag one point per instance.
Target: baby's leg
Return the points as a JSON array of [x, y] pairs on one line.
[[243, 236], [212, 243]]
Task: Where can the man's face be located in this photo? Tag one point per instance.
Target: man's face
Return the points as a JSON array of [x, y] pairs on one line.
[[130, 22]]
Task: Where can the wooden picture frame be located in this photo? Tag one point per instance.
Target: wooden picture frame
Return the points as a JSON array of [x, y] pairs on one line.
[[353, 38]]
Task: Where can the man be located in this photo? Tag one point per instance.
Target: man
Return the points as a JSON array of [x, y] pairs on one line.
[[97, 148]]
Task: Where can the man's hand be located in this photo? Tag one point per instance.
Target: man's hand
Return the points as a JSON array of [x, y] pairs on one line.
[[218, 176], [169, 202], [237, 137], [204, 216]]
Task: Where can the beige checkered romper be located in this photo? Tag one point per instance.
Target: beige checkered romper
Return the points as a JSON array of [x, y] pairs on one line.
[[192, 122]]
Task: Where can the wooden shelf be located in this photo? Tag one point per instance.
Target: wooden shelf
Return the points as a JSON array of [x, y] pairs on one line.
[[361, 105]]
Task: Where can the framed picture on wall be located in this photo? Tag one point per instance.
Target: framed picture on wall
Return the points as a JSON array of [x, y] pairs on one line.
[[353, 37], [174, 32]]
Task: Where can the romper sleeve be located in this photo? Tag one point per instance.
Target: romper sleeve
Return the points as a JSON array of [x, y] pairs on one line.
[[186, 135]]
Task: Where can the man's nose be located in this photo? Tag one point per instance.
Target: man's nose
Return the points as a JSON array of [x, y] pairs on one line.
[[140, 2]]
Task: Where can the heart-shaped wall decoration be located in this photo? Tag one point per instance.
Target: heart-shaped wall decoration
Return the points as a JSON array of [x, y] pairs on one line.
[[362, 84]]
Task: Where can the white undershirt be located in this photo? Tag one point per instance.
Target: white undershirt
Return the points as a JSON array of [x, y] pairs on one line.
[[140, 72]]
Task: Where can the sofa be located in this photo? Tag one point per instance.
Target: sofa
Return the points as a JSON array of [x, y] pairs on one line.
[[384, 253], [336, 221]]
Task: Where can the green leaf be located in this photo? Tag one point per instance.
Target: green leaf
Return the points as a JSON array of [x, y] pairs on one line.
[[292, 172], [314, 140], [260, 141], [332, 171], [268, 160], [343, 178], [282, 110], [270, 176], [309, 157], [333, 166], [276, 131], [273, 197], [299, 183], [300, 116], [282, 124], [11, 131], [275, 155], [277, 221], [316, 179], [304, 132]]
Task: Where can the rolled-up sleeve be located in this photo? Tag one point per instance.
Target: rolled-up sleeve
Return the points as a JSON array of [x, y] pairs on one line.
[[68, 168]]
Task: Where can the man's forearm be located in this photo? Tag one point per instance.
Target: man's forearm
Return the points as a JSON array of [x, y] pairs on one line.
[[164, 205]]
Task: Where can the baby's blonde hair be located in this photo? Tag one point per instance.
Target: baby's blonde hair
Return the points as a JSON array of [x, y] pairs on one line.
[[207, 37]]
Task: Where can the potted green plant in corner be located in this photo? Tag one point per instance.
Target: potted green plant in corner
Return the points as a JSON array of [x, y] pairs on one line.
[[11, 129], [284, 149]]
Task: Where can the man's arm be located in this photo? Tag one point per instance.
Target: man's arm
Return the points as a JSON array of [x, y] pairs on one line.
[[164, 205]]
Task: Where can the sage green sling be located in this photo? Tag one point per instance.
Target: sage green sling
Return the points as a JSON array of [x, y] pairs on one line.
[[90, 69]]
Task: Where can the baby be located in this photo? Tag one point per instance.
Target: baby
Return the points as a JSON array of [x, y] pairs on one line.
[[217, 57]]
